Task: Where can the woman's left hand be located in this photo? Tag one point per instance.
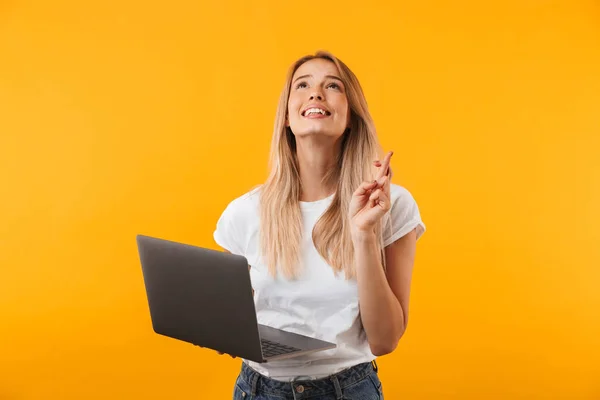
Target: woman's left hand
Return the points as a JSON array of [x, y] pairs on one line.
[[372, 199]]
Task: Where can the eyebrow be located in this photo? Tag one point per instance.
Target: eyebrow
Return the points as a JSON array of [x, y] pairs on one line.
[[326, 76]]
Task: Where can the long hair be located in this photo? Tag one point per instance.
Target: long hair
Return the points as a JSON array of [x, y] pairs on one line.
[[281, 218]]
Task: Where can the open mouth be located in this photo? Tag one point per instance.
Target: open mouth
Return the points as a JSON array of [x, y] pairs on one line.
[[315, 112]]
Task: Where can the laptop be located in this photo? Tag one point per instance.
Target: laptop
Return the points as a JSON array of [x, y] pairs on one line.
[[204, 297]]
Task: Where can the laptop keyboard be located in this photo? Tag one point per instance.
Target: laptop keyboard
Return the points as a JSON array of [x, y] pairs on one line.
[[271, 349]]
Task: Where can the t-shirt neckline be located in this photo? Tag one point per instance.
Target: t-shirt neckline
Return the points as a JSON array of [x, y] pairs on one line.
[[307, 205]]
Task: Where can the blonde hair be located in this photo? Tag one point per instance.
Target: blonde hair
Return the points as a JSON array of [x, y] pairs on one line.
[[281, 217]]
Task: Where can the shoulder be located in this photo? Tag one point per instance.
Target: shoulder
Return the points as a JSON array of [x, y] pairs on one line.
[[404, 215], [246, 200], [236, 221], [400, 195], [244, 206]]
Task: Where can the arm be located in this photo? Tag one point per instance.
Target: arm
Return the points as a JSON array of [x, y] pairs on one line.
[[384, 295]]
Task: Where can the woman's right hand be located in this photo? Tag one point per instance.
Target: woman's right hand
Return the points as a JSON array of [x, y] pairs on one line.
[[218, 352], [227, 354]]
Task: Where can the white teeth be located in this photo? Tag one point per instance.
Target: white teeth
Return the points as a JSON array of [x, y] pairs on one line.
[[315, 111]]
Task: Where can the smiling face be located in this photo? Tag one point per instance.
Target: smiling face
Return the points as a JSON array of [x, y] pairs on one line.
[[318, 102]]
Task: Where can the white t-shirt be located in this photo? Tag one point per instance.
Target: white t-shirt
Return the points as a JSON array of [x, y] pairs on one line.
[[318, 304]]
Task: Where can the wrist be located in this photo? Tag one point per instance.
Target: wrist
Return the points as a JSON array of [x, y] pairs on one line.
[[363, 236]]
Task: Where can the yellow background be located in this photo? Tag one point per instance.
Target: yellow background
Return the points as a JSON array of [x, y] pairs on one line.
[[137, 117]]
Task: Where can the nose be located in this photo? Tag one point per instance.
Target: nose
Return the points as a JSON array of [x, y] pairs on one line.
[[316, 95]]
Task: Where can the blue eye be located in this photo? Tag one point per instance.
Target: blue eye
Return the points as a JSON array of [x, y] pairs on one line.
[[334, 85], [301, 84]]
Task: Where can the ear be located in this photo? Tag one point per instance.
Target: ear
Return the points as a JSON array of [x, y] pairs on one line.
[[287, 122]]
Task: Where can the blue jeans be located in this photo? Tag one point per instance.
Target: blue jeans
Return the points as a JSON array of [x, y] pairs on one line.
[[360, 382]]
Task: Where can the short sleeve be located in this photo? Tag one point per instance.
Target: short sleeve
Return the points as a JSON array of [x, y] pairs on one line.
[[227, 232], [404, 216]]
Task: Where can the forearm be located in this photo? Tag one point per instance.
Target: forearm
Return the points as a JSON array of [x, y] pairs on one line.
[[381, 313]]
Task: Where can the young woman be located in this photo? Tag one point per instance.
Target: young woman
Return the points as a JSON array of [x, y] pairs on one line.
[[329, 239]]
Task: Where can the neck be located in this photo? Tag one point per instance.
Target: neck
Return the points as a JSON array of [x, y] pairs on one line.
[[316, 158]]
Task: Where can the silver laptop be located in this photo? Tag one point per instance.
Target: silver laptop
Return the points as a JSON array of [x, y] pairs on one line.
[[204, 297]]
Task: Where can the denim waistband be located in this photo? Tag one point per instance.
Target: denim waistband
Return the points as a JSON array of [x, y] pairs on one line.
[[333, 383]]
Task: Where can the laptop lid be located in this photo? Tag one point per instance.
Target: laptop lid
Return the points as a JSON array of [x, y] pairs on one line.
[[200, 296]]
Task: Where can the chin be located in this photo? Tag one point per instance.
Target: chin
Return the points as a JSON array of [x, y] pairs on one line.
[[315, 132]]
